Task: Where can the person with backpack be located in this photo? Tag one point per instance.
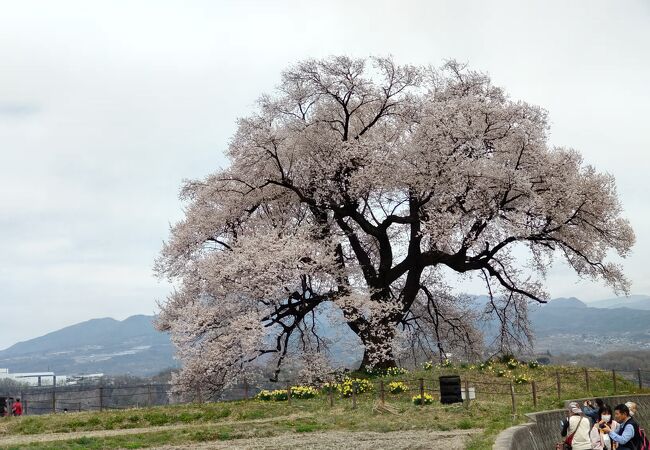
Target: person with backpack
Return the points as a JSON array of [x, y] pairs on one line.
[[626, 434], [576, 425]]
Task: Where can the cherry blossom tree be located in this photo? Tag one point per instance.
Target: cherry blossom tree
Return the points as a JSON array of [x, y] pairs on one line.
[[362, 184]]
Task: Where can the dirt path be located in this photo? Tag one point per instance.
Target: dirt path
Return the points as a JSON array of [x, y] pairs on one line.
[[47, 437], [398, 440], [394, 440]]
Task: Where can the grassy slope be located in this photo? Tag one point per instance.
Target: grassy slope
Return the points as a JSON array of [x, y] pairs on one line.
[[230, 420]]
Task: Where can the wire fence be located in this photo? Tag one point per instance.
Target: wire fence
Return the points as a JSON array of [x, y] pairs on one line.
[[555, 385]]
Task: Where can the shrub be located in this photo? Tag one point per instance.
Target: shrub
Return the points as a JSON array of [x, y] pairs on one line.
[[485, 365], [397, 387], [264, 395], [362, 386], [389, 372], [533, 364], [505, 358], [427, 365], [396, 371], [417, 400], [512, 364], [303, 392], [277, 395], [520, 379], [446, 363], [326, 388], [500, 373]]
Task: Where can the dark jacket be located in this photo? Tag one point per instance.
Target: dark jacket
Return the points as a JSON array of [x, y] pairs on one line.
[[635, 442]]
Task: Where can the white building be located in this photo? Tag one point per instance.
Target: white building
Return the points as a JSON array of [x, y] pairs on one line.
[[32, 378]]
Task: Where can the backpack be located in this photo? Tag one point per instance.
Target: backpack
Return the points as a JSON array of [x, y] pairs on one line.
[[645, 443]]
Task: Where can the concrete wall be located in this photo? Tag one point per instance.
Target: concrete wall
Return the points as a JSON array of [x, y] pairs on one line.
[[543, 430]]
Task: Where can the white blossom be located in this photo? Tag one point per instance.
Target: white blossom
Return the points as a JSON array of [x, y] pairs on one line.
[[353, 184]]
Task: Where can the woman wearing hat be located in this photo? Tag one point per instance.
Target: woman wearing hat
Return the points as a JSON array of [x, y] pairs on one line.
[[576, 428]]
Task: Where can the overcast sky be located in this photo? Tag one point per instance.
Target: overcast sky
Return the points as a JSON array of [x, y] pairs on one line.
[[105, 107]]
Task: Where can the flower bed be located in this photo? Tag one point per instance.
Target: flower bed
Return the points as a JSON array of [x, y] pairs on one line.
[[418, 400], [397, 387]]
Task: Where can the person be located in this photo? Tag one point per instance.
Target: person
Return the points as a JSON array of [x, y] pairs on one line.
[[592, 411], [626, 434], [599, 439], [17, 408], [632, 407], [577, 424]]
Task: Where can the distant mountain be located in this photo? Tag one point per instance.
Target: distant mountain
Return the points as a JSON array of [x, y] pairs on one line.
[[131, 346], [562, 302], [572, 326], [632, 302], [578, 318]]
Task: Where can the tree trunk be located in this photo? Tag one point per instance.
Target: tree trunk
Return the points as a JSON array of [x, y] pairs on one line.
[[378, 352], [383, 364]]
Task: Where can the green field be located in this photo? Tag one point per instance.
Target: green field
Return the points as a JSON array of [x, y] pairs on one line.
[[491, 412]]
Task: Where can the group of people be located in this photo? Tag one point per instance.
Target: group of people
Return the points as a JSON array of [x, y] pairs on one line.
[[596, 426], [16, 408]]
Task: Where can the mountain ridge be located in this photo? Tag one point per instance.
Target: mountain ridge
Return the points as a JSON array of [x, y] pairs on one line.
[[129, 346], [133, 346]]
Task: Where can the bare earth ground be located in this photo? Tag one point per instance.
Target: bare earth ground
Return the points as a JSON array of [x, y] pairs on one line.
[[397, 440], [48, 437]]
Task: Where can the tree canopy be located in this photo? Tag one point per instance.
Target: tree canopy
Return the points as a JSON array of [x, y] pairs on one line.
[[360, 184]]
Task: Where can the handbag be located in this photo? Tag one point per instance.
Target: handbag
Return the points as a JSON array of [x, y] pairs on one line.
[[567, 443]]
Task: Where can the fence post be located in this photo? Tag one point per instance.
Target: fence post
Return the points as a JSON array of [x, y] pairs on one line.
[[381, 392], [587, 379], [354, 395], [614, 379], [330, 393], [467, 400], [640, 378], [534, 385], [289, 393], [149, 394], [559, 386], [421, 380], [514, 402], [53, 393], [245, 389], [101, 397]]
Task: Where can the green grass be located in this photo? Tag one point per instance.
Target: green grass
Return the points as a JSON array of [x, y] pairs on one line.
[[491, 412]]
